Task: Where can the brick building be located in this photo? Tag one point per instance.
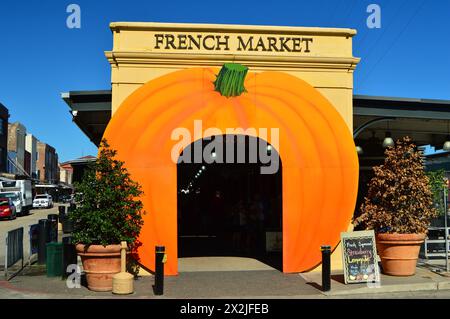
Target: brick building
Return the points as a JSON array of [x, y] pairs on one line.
[[47, 163], [4, 115], [16, 148]]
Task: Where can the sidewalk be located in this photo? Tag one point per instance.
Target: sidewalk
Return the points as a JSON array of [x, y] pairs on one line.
[[33, 283], [423, 280]]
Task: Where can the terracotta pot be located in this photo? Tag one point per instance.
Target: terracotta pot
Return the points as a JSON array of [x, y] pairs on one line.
[[399, 253], [100, 263]]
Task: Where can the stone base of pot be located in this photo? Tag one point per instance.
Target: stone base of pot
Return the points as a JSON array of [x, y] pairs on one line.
[[100, 263], [399, 253]]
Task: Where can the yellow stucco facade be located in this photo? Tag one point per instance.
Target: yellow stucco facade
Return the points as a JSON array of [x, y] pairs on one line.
[[321, 56]]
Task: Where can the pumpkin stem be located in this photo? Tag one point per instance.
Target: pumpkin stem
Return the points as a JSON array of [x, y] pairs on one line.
[[230, 80]]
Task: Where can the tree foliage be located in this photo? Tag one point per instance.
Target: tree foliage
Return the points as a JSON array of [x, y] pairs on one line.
[[437, 184], [108, 208], [399, 199]]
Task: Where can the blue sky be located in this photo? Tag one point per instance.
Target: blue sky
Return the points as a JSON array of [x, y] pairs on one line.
[[409, 56]]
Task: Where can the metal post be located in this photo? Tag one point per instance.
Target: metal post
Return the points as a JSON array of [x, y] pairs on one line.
[[160, 252], [43, 239], [6, 257], [446, 229], [326, 268]]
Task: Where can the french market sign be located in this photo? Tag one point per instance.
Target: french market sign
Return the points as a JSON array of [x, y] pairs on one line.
[[235, 43]]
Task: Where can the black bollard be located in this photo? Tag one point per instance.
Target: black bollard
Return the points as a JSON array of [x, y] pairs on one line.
[[42, 242], [160, 252], [62, 213], [53, 227], [326, 268], [69, 255]]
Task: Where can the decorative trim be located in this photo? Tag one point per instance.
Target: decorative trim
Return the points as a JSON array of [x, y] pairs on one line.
[[123, 57], [193, 27]]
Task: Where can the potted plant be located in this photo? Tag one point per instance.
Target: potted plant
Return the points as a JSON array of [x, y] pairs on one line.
[[399, 208], [108, 211]]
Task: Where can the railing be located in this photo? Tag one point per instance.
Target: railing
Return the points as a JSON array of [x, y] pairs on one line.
[[435, 240], [13, 250]]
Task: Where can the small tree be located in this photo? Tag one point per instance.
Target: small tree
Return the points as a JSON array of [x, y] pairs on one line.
[[399, 199], [437, 184], [108, 208]]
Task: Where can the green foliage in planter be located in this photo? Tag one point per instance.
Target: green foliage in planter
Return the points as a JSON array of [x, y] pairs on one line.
[[437, 184], [108, 208], [399, 199]]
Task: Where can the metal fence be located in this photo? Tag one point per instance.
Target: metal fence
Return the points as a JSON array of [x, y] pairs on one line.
[[14, 249]]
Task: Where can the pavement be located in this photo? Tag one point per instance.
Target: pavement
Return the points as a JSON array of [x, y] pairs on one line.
[[257, 282], [222, 277], [25, 222]]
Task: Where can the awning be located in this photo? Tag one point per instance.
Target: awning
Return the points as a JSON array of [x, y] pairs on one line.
[[425, 120], [90, 110]]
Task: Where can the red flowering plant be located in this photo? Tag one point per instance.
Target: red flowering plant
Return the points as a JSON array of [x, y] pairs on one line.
[[400, 199]]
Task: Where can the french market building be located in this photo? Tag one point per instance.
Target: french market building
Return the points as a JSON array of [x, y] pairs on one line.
[[321, 57]]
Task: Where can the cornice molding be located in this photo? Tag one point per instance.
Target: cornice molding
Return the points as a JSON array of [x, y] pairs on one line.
[[123, 58], [230, 28]]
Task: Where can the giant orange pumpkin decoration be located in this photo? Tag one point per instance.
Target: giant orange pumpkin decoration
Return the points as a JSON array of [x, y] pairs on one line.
[[320, 165]]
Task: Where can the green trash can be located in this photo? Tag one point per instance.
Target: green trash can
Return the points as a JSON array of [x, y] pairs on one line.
[[54, 259]]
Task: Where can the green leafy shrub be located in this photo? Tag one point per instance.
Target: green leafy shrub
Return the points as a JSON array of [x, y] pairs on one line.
[[108, 208], [437, 184]]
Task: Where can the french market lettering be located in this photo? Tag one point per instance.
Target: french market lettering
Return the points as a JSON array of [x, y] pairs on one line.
[[210, 42]]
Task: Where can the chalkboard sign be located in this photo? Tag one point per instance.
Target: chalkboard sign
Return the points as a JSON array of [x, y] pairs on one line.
[[359, 256]]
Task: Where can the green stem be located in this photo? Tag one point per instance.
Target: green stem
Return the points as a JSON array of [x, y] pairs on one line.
[[230, 80]]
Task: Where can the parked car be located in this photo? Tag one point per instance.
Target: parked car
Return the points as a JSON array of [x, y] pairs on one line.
[[7, 208], [43, 201], [22, 188], [15, 198]]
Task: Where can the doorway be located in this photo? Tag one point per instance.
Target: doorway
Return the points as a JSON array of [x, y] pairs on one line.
[[230, 208]]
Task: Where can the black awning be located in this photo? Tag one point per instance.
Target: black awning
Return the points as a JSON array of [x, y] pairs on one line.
[[91, 111]]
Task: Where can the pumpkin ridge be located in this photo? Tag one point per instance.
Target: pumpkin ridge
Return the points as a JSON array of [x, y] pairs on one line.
[[339, 158], [204, 109], [127, 108], [151, 113], [239, 111], [304, 211], [144, 136], [170, 83], [312, 102], [299, 114], [340, 152]]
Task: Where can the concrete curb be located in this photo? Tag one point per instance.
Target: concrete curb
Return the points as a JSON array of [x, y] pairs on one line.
[[431, 286], [423, 281]]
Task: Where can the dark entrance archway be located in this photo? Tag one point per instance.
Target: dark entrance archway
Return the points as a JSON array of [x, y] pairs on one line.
[[230, 208]]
